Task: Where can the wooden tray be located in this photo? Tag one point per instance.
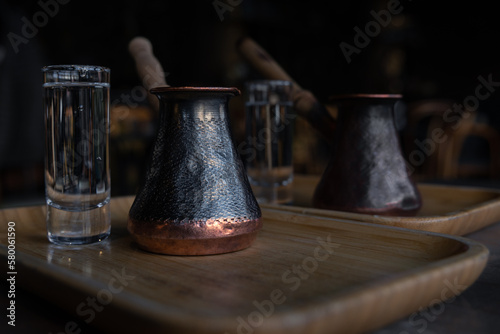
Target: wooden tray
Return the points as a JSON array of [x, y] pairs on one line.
[[446, 209], [303, 275]]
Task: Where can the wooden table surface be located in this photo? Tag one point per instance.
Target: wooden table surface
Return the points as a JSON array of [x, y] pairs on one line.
[[477, 310]]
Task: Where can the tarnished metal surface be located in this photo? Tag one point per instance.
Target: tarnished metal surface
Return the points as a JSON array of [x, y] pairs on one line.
[[367, 172], [196, 198]]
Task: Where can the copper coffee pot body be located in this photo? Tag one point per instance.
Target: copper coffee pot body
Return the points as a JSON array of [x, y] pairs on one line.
[[196, 199], [367, 172]]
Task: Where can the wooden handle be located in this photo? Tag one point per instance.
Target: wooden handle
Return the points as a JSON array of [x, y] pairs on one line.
[[148, 67], [304, 101], [263, 62]]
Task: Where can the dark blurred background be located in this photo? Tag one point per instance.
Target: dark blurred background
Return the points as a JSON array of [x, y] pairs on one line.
[[431, 52]]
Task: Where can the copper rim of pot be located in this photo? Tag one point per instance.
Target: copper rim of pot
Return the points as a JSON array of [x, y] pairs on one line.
[[166, 89], [364, 96]]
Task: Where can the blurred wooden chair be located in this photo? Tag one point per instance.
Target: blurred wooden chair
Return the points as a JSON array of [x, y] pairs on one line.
[[423, 117], [442, 158], [469, 128]]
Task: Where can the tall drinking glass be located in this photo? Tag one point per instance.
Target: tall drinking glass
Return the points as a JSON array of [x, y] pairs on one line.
[[77, 180], [269, 133]]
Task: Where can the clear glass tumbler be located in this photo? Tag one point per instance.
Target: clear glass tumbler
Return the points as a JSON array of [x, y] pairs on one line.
[[77, 178], [269, 135]]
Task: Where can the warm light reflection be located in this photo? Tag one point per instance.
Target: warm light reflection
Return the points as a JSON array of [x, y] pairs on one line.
[[80, 259]]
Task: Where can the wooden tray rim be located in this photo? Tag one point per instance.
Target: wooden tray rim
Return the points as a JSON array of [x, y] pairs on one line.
[[475, 255], [424, 223]]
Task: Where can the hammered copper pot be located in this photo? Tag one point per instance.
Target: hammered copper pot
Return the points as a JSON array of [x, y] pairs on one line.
[[196, 199], [367, 172]]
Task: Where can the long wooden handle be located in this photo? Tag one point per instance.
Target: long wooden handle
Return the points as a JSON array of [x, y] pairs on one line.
[[263, 62], [148, 67], [305, 103]]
